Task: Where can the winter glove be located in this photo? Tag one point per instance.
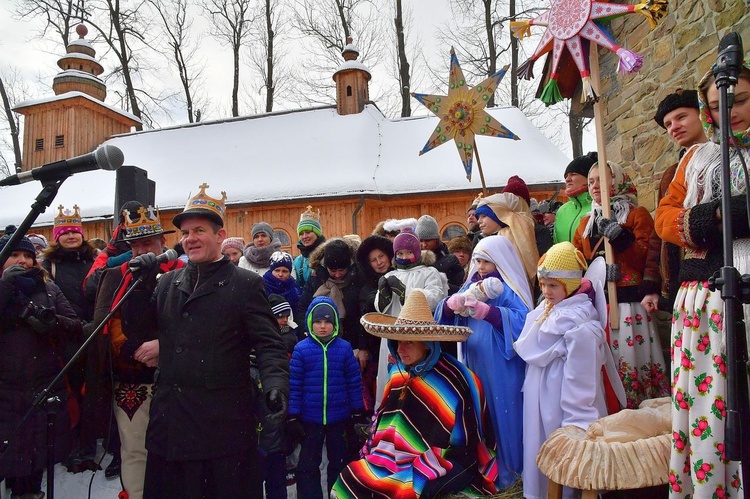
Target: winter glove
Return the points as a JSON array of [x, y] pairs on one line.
[[40, 326], [277, 403], [385, 294], [295, 432], [486, 289], [145, 266], [10, 274], [608, 228], [477, 309], [457, 303], [116, 261], [397, 287], [613, 272]]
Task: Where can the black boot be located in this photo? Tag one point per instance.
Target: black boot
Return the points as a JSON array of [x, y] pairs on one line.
[[113, 470]]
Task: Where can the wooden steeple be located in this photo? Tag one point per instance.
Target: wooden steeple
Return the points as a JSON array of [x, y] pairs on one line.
[[352, 82]]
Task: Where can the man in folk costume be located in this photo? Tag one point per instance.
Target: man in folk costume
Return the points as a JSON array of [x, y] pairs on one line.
[[135, 349], [678, 114], [210, 315]]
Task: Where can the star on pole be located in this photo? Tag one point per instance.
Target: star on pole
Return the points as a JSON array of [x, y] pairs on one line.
[[462, 114]]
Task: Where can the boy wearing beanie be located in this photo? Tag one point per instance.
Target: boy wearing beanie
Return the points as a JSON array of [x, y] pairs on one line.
[[279, 279], [564, 345], [579, 200], [429, 238], [325, 395]]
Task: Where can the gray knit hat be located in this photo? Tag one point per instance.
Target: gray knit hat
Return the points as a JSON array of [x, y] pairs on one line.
[[262, 227], [427, 228]]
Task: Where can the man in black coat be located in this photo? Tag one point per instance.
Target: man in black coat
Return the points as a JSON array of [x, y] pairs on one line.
[[201, 437]]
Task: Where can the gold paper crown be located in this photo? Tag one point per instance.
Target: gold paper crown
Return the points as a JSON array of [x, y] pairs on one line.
[[66, 218], [309, 216], [146, 225], [203, 201], [564, 263]]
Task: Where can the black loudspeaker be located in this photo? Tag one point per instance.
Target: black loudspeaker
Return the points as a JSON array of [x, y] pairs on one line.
[[132, 184]]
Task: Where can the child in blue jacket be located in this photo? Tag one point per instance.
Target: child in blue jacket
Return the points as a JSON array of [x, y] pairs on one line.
[[325, 393]]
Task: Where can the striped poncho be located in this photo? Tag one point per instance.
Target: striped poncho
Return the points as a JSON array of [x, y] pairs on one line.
[[427, 437]]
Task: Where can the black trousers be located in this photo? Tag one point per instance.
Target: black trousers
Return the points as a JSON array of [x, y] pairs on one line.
[[228, 477]]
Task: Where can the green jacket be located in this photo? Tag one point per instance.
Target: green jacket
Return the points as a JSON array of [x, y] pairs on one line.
[[569, 216]]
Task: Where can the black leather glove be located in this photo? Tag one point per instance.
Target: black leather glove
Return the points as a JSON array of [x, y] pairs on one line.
[[613, 272], [397, 287], [295, 432], [277, 403], [608, 228], [144, 265], [385, 293], [41, 326], [10, 274]]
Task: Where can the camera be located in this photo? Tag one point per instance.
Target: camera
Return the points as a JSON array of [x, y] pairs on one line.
[[44, 315]]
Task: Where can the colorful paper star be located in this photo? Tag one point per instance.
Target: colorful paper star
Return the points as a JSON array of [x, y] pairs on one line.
[[462, 114]]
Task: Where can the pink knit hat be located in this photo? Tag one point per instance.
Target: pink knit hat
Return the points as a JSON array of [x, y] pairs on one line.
[[233, 242]]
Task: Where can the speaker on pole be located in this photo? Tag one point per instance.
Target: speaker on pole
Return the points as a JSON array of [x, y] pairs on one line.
[[132, 184]]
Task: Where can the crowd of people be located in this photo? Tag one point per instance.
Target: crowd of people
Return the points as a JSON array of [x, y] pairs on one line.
[[422, 367]]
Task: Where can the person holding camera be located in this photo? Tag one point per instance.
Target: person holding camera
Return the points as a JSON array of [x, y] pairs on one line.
[[36, 324]]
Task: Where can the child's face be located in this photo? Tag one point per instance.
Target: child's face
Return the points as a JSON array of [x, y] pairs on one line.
[[233, 254], [281, 273], [487, 226], [322, 328], [553, 290], [739, 116], [462, 256], [405, 254], [282, 320], [484, 267]]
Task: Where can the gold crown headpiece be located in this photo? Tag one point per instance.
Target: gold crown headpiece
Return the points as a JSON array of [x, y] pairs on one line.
[[203, 201], [144, 223], [67, 221], [309, 216]]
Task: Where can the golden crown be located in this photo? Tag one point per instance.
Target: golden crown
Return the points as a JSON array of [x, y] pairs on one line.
[[203, 201], [477, 199], [147, 224], [67, 218], [309, 215]]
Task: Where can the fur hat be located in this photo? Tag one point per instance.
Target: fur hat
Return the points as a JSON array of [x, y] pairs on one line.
[[233, 242], [22, 244], [368, 245], [262, 227], [460, 243], [407, 240], [517, 186], [280, 259], [337, 254], [309, 221], [680, 98], [427, 228], [396, 225], [582, 164], [565, 264]]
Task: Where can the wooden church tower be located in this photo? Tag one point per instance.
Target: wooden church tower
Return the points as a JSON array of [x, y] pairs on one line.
[[76, 120], [352, 82]]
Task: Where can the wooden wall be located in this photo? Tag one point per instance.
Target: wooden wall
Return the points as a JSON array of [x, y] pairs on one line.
[[448, 208]]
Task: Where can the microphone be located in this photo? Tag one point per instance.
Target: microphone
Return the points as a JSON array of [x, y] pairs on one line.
[[106, 157], [149, 261], [729, 63]]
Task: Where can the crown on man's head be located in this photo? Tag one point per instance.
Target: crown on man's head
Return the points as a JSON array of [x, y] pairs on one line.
[[309, 216], [144, 223], [68, 218], [203, 201]]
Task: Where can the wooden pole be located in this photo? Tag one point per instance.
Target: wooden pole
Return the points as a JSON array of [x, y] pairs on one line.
[[479, 166], [605, 181]]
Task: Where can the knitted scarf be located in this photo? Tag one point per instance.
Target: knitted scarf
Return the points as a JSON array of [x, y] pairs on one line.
[[333, 289], [261, 257], [622, 196]]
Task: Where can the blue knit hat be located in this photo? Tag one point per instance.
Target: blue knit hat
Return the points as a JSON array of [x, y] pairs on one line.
[[281, 259], [23, 244], [487, 211]]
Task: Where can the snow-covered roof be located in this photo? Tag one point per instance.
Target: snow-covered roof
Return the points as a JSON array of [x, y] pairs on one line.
[[70, 95], [78, 55], [79, 74], [304, 154], [352, 65], [81, 41]]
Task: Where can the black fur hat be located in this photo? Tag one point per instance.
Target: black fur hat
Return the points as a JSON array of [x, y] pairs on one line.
[[681, 98]]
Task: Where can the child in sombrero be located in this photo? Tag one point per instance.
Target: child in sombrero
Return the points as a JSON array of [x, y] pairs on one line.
[[428, 435], [564, 345]]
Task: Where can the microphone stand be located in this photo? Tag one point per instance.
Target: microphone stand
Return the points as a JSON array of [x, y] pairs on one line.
[[45, 400], [733, 287], [40, 205]]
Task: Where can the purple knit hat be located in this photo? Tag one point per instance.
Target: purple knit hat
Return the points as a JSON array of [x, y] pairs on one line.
[[407, 240]]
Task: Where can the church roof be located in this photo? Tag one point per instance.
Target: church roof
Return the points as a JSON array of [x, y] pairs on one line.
[[305, 154]]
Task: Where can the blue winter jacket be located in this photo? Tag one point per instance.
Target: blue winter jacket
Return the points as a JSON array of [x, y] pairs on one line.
[[325, 385]]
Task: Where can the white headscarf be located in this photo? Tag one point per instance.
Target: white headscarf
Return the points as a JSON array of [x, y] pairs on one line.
[[501, 252]]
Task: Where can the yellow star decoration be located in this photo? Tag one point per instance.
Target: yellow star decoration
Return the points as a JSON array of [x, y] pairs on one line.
[[462, 114]]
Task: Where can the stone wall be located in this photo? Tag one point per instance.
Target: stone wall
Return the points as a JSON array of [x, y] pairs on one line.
[[676, 55]]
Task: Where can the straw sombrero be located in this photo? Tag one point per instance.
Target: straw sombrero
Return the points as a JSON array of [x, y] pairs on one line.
[[414, 323]]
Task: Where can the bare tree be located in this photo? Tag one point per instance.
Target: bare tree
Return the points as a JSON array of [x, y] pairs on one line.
[[232, 21], [13, 125], [324, 26], [176, 25], [404, 77], [267, 57], [59, 15]]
